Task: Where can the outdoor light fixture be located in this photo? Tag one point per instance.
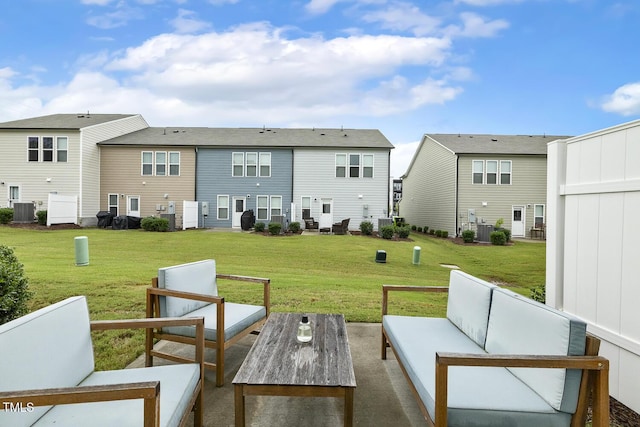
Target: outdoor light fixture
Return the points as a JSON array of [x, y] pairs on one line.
[[48, 179]]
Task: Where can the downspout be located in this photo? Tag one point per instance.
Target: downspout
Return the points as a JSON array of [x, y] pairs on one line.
[[389, 185], [457, 192], [291, 204]]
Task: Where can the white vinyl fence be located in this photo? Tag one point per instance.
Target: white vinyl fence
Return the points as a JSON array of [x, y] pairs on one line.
[[62, 209], [189, 214]]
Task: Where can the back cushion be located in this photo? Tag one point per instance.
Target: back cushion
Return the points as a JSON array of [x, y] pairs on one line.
[[49, 348], [468, 304], [195, 277], [519, 325]]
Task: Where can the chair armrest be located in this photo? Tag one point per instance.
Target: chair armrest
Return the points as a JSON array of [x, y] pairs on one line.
[[387, 288], [266, 284], [149, 391], [598, 364], [186, 295]]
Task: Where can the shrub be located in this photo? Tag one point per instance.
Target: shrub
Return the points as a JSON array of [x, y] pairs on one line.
[[275, 228], [42, 217], [366, 227], [6, 215], [468, 236], [499, 223], [438, 233], [498, 238], [152, 223], [419, 229], [538, 293], [14, 292], [507, 234], [445, 233], [387, 231], [426, 229], [432, 231], [413, 228], [259, 227], [294, 227], [404, 231]]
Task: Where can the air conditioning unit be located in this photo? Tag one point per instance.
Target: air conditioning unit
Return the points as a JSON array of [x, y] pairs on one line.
[[23, 213]]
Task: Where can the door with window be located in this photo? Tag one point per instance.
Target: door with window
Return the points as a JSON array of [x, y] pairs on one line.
[[14, 195], [238, 209], [133, 206], [517, 221], [326, 213]]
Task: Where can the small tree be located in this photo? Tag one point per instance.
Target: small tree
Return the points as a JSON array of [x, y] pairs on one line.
[[14, 292]]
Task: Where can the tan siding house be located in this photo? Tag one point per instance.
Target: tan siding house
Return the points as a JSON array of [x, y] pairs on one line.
[[459, 182]]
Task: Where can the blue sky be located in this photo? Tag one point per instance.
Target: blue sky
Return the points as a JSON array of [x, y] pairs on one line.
[[556, 67]]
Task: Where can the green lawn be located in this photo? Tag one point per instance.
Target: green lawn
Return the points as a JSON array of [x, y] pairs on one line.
[[308, 273]]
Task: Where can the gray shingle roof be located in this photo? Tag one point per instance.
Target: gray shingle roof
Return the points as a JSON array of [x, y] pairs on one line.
[[254, 137], [495, 144], [63, 121]]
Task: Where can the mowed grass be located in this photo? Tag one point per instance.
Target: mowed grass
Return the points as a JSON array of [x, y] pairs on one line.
[[324, 274]]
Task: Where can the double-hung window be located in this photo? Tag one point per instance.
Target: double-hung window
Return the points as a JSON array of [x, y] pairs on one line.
[[492, 172], [62, 148], [34, 148], [538, 215], [223, 207], [367, 165], [276, 205], [252, 164], [161, 163], [147, 163], [265, 165], [354, 165], [505, 172], [237, 164], [47, 149], [174, 163], [306, 207], [262, 203], [478, 172], [341, 165]]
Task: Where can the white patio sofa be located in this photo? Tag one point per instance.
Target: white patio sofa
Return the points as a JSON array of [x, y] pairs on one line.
[[488, 363], [47, 375]]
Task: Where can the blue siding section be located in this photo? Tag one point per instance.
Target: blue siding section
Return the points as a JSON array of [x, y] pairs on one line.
[[214, 177]]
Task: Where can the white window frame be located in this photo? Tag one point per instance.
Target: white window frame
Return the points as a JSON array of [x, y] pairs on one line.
[[48, 152], [160, 163], [474, 172], [366, 167], [111, 205], [355, 168], [35, 149], [237, 163], [535, 215], [220, 199], [174, 167], [488, 175], [260, 209], [264, 161], [509, 173], [251, 164], [341, 167], [306, 205], [64, 150], [274, 209], [143, 163]]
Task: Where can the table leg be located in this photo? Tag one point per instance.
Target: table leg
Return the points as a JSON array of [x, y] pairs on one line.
[[348, 407], [239, 405]]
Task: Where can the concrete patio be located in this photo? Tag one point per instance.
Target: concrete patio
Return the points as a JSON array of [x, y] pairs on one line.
[[382, 396]]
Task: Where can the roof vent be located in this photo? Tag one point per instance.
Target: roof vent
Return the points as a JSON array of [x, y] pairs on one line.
[[494, 140]]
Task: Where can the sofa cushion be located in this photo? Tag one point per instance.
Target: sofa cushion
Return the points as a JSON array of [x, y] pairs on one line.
[[177, 384], [519, 325], [468, 304], [196, 277], [48, 348], [237, 317], [477, 396]]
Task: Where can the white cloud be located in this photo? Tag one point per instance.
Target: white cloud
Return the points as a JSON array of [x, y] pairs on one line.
[[482, 3], [186, 22], [474, 25], [403, 17], [317, 7], [625, 100], [221, 2], [401, 157], [119, 17]]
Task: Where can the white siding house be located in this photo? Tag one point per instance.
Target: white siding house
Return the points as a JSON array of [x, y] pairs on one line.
[[592, 244], [58, 154]]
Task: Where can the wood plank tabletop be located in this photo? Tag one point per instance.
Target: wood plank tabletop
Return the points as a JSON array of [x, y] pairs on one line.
[[277, 358]]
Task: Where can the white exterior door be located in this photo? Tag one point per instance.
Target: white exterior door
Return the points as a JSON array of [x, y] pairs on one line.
[[238, 209], [14, 195], [133, 206], [517, 221], [326, 213]]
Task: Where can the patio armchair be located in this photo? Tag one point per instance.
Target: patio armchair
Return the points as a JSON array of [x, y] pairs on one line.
[[189, 290], [341, 227], [310, 224]]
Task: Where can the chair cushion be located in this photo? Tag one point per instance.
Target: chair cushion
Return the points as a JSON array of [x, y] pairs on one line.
[[177, 384], [468, 304], [196, 277], [237, 317], [477, 396], [519, 325], [48, 348]]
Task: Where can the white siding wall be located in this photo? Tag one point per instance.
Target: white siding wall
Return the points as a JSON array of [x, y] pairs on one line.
[[314, 176], [89, 202], [592, 248]]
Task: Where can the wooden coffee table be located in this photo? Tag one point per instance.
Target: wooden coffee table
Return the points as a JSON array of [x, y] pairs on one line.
[[278, 365]]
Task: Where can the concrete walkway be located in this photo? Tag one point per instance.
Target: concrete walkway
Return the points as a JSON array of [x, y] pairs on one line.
[[382, 396]]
